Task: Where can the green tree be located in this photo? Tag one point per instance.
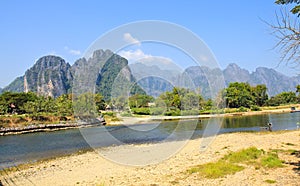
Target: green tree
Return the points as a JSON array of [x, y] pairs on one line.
[[283, 98], [295, 9], [298, 89], [64, 105], [7, 99], [99, 101], [260, 95], [238, 95], [140, 100], [84, 105]]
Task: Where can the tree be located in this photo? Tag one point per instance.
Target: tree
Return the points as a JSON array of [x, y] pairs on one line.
[[260, 95], [64, 105], [9, 99], [298, 89], [140, 100], [238, 95], [283, 98], [287, 31], [295, 9]]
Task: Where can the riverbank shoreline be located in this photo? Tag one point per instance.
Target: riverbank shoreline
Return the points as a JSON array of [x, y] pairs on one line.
[[150, 119], [132, 121], [90, 168]]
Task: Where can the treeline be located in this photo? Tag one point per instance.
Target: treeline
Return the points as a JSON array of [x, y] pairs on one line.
[[179, 101], [240, 96], [243, 95]]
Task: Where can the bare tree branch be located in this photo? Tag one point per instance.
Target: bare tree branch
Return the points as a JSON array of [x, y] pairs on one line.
[[287, 31]]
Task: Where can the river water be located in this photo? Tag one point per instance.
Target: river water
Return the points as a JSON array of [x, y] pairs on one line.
[[17, 149]]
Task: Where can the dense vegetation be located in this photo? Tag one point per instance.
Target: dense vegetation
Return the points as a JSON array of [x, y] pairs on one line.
[[179, 101]]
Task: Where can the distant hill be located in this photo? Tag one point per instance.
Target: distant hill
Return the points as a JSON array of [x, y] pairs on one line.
[[109, 74], [16, 86], [52, 76], [153, 79], [275, 81]]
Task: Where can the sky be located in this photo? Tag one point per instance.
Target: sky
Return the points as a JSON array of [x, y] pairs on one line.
[[233, 29]]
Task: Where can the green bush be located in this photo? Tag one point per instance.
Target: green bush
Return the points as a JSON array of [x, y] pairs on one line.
[[126, 114], [189, 112], [255, 108], [242, 109], [172, 113], [141, 111], [108, 114], [157, 111]]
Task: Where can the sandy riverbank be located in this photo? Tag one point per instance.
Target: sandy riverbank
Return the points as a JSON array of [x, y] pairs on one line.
[[92, 169]]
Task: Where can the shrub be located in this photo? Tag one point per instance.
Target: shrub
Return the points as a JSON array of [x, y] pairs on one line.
[[108, 114], [172, 113], [189, 112], [242, 109], [157, 111], [255, 108], [141, 111], [126, 114]]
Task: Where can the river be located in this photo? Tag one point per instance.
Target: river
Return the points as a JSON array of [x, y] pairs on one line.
[[17, 149]]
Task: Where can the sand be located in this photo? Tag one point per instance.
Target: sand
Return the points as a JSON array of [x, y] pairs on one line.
[[92, 169]]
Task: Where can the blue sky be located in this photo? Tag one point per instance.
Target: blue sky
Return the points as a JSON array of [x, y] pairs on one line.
[[232, 29]]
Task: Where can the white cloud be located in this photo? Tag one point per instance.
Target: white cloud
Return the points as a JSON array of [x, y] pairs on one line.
[[72, 51], [135, 55], [138, 56], [127, 37]]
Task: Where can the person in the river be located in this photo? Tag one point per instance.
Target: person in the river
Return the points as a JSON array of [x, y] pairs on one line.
[[270, 126]]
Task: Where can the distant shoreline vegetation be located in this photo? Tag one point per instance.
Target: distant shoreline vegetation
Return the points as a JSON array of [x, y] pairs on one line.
[[21, 109]]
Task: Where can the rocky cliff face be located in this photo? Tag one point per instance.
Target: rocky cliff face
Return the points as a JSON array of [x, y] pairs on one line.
[[108, 73], [275, 81], [105, 73], [202, 77], [153, 79], [234, 73], [50, 76]]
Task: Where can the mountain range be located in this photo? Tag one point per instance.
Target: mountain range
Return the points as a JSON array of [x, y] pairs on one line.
[[155, 80], [53, 76], [108, 73]]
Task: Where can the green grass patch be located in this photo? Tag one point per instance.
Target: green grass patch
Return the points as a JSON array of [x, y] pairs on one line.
[[245, 155], [216, 170], [235, 161], [270, 181], [271, 160]]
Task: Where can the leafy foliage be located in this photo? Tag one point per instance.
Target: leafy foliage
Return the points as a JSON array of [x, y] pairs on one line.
[[295, 9], [283, 98], [243, 95]]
